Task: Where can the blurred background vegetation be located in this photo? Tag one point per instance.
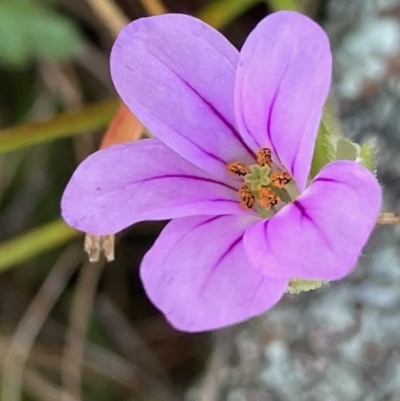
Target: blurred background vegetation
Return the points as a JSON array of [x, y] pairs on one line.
[[71, 330]]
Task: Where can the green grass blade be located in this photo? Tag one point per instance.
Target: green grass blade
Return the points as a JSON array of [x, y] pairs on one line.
[[278, 5], [34, 242], [61, 126]]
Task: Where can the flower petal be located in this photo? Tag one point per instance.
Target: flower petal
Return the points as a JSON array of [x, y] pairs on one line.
[[143, 180], [320, 235], [282, 81], [177, 75], [198, 275]]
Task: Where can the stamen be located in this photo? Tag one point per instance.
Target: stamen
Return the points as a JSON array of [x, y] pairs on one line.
[[267, 198], [262, 188], [280, 178], [238, 169], [264, 157], [247, 198]]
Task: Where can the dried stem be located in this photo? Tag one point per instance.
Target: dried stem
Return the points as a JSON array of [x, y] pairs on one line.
[[118, 369], [95, 245], [154, 7], [110, 14], [101, 362], [75, 337], [128, 340], [388, 218], [209, 387], [114, 19], [42, 389], [31, 323]]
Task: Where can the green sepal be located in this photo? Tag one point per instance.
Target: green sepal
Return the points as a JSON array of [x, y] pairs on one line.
[[324, 151], [325, 145], [368, 155], [347, 150], [298, 285], [331, 145]]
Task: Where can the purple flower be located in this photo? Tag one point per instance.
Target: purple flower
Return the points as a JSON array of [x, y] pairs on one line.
[[235, 137]]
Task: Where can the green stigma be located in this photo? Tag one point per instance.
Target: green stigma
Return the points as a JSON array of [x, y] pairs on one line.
[[258, 177]]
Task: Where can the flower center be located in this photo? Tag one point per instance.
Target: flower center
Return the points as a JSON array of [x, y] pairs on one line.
[[265, 184], [267, 187]]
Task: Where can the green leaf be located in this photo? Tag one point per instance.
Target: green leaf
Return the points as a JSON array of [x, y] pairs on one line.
[[34, 242], [61, 126], [30, 29], [220, 13]]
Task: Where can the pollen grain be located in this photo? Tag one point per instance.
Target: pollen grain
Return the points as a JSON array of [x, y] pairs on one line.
[[280, 179], [247, 198], [238, 169], [267, 198], [264, 157]]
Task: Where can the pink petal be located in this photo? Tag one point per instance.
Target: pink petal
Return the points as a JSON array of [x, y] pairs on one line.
[[143, 180], [282, 81], [176, 74], [198, 275], [321, 235]]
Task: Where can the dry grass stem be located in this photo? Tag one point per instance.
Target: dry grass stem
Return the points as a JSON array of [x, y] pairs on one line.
[[388, 218], [126, 374], [97, 361], [209, 387], [154, 7], [128, 340], [79, 315], [31, 323], [110, 14], [42, 389]]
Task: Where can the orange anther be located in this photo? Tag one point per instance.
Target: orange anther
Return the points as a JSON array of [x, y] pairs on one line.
[[280, 178], [264, 157], [247, 198], [267, 198], [238, 169]]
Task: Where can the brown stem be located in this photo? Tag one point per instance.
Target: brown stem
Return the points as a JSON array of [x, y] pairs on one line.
[[154, 7], [17, 355], [110, 14], [75, 338], [388, 218]]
